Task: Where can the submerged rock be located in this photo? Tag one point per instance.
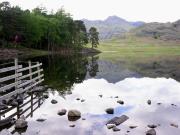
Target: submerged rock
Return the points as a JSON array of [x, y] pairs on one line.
[[120, 102], [115, 129], [149, 102], [77, 98], [62, 112], [109, 126], [118, 120], [101, 96], [21, 123], [82, 100], [54, 101], [151, 132], [110, 110], [116, 97]]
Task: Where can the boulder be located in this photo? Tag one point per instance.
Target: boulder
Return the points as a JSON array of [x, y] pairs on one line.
[[72, 125], [118, 120], [62, 112], [77, 98], [116, 97], [110, 110], [21, 123], [54, 101], [101, 96], [151, 132], [82, 100]]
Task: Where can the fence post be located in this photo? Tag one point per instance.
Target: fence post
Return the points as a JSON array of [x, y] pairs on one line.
[[30, 70], [38, 68], [16, 68]]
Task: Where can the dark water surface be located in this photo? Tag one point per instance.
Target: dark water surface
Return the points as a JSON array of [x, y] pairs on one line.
[[89, 77]]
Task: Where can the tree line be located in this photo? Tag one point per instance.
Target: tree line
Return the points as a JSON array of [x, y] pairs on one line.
[[40, 29]]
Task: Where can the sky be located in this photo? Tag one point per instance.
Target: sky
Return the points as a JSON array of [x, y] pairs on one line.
[[131, 10]]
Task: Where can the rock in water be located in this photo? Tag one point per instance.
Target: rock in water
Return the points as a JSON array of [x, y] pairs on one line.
[[174, 125], [115, 129], [152, 126], [72, 125], [62, 112], [151, 132], [120, 102], [21, 123], [110, 110], [40, 120], [118, 120], [149, 102], [74, 113], [53, 101], [109, 126], [132, 127]]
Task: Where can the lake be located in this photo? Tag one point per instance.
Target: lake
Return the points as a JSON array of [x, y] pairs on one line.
[[99, 84]]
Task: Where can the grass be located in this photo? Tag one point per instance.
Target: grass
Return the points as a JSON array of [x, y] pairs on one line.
[[135, 48]]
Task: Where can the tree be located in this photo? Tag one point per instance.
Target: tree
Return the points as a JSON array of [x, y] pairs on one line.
[[94, 37]]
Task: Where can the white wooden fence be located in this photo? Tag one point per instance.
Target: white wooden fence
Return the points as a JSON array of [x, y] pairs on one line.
[[24, 78]]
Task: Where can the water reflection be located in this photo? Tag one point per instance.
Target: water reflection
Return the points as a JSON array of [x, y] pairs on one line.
[[31, 103], [134, 92]]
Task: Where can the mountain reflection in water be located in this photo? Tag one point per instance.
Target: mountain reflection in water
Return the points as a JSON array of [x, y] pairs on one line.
[[89, 77]]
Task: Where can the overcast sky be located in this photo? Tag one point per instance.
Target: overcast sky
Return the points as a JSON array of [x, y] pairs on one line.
[[131, 10]]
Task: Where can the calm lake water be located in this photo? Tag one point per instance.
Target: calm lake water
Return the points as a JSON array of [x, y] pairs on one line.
[[89, 77]]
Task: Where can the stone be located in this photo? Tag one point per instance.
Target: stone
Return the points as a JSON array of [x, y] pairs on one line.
[[69, 92], [74, 113], [101, 96], [109, 126], [174, 125], [21, 123], [110, 110], [46, 96], [62, 112], [132, 127], [151, 132], [149, 102], [159, 103], [77, 98], [116, 97], [118, 120], [152, 126], [40, 120], [115, 129], [72, 125], [83, 118], [53, 101], [82, 100], [120, 102]]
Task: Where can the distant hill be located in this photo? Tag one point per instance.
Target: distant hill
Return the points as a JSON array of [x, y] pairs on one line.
[[113, 26], [163, 31]]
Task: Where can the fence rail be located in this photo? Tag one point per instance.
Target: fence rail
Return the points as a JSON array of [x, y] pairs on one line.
[[18, 78]]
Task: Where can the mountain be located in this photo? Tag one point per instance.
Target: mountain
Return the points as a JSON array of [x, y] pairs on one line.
[[163, 31], [113, 26]]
